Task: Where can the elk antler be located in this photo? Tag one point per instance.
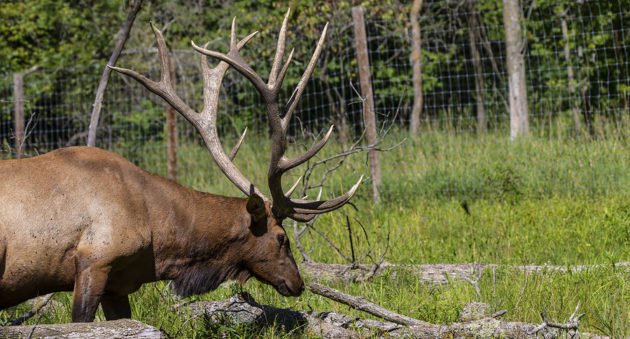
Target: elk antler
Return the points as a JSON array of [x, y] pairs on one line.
[[283, 206], [204, 121]]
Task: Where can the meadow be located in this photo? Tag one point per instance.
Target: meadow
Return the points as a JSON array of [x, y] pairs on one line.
[[446, 198]]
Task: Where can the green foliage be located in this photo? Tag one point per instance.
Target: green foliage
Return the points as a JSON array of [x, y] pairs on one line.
[[136, 126], [56, 33]]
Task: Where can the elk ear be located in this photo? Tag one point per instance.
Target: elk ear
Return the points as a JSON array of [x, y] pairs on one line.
[[256, 207]]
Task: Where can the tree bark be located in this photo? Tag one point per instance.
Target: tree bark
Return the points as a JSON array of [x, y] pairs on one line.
[[575, 111], [416, 63], [369, 116], [102, 85], [171, 129], [473, 37], [18, 111], [361, 304], [519, 116], [125, 328]]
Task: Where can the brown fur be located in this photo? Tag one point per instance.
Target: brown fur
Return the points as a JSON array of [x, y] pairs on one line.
[[87, 220]]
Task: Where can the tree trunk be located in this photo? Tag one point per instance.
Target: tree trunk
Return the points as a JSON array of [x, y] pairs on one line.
[[18, 111], [416, 63], [473, 36], [519, 116], [369, 117], [575, 111], [171, 129]]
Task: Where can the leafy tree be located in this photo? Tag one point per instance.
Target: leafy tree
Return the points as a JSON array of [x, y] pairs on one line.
[[56, 33]]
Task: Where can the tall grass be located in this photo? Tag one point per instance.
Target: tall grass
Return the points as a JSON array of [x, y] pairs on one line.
[[449, 198]]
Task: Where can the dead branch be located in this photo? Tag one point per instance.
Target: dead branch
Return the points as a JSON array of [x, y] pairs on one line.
[[572, 325], [361, 304], [38, 304], [102, 85], [376, 265], [330, 164], [474, 281]]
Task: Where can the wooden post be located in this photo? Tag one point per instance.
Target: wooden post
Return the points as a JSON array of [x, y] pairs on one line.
[[416, 64], [575, 110], [519, 116], [369, 118], [171, 129], [18, 104], [473, 38]]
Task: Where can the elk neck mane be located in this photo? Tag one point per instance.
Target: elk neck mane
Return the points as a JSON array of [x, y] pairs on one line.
[[199, 253], [204, 277]]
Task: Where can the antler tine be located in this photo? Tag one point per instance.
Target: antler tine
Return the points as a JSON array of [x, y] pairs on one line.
[[297, 93], [164, 88], [300, 206], [165, 75], [238, 145], [277, 60], [235, 60], [292, 189], [289, 164], [233, 34], [283, 72]]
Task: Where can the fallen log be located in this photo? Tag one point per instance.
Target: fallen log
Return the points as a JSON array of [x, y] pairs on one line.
[[242, 309], [431, 273], [125, 328]]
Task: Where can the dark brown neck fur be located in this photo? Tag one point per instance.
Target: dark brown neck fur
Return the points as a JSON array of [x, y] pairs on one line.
[[194, 239]]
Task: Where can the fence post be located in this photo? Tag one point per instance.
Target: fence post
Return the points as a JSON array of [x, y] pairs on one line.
[[171, 128], [416, 63], [18, 104], [369, 118], [519, 119], [474, 37], [575, 110]]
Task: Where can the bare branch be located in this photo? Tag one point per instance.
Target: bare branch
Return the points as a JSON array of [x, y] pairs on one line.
[[102, 85], [364, 305], [39, 303]]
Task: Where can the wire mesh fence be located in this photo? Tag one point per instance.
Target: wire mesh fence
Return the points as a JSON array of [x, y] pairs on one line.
[[576, 68]]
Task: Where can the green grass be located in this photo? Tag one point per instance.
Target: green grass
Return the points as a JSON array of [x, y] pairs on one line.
[[535, 201]]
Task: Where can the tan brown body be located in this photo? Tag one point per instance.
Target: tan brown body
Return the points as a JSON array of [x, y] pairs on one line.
[[88, 219]]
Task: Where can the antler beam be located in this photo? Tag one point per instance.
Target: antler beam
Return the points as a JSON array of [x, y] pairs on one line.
[[284, 206], [206, 120]]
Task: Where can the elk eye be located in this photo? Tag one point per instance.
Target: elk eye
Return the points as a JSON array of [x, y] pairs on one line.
[[281, 238]]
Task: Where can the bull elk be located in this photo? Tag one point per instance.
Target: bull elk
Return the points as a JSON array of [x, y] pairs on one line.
[[86, 220]]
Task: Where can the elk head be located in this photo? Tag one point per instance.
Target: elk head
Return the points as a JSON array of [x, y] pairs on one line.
[[270, 259]]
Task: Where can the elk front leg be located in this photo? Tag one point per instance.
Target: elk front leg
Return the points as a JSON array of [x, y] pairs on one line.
[[89, 287], [116, 307]]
